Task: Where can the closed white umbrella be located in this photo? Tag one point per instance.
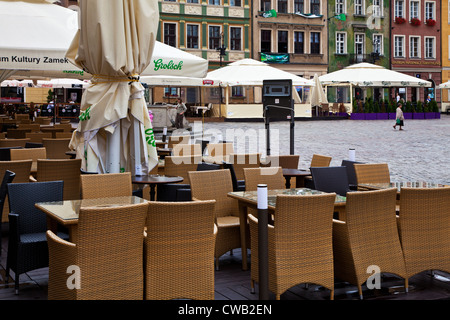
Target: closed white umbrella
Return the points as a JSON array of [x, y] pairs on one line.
[[318, 96], [115, 44]]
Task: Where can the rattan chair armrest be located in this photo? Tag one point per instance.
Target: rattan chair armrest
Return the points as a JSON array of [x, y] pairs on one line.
[[14, 226], [195, 199], [32, 179], [58, 240]]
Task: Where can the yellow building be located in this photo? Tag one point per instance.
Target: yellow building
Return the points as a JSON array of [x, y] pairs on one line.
[[445, 45]]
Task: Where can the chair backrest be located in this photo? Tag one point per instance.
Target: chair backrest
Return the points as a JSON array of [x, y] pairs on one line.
[[57, 148], [33, 145], [8, 177], [351, 175], [214, 185], [220, 151], [34, 127], [289, 161], [246, 160], [203, 166], [67, 127], [13, 142], [166, 238], [37, 136], [28, 154], [16, 133], [64, 134], [5, 153], [104, 233], [187, 149], [31, 219], [372, 173], [174, 140], [424, 228], [320, 161], [180, 166], [106, 185], [330, 179], [234, 180], [21, 116], [67, 170], [272, 176]]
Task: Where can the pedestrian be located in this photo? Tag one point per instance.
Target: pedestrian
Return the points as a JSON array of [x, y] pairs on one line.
[[398, 97], [399, 117], [181, 109]]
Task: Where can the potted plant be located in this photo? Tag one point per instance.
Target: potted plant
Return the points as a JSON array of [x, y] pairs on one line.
[[369, 110], [430, 22], [415, 22], [380, 110], [391, 109], [419, 112], [357, 112], [399, 20], [407, 110]]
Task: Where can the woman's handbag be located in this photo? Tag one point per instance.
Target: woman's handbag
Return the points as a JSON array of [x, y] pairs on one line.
[[397, 121]]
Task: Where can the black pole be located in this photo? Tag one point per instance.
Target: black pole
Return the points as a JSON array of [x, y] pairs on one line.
[[292, 130], [263, 243]]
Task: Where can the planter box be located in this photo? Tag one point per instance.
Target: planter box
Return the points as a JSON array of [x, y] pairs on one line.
[[407, 115], [357, 116], [437, 115], [343, 114], [418, 115], [430, 115], [370, 116], [382, 116], [392, 115]]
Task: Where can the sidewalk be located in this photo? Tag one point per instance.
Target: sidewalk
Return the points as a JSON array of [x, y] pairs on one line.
[[420, 152]]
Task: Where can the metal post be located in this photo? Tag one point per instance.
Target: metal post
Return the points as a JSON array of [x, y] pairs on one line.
[[263, 242], [292, 129]]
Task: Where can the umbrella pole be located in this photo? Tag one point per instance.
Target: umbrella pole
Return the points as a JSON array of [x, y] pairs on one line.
[[137, 151], [113, 142]]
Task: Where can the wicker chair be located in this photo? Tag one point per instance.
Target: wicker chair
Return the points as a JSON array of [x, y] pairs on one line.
[[37, 136], [5, 153], [330, 179], [187, 150], [351, 175], [190, 274], [272, 176], [174, 140], [63, 135], [57, 148], [28, 154], [300, 243], [180, 166], [372, 173], [13, 142], [369, 236], [317, 160], [8, 177], [241, 161], [290, 161], [106, 185], [424, 228], [67, 170], [108, 253], [215, 185], [22, 169], [218, 152], [27, 243]]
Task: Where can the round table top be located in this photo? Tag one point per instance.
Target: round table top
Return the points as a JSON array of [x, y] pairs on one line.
[[295, 172], [155, 179]]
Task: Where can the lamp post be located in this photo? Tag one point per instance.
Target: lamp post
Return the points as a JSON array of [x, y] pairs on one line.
[[222, 53], [376, 52]]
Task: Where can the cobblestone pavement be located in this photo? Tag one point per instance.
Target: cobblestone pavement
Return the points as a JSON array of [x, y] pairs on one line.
[[420, 152]]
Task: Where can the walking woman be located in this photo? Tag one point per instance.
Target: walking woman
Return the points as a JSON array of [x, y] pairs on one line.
[[399, 117], [181, 109]]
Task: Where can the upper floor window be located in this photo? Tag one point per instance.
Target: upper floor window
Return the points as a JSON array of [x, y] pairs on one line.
[[430, 50], [315, 42], [266, 41], [191, 1], [359, 7], [283, 41], [340, 6], [170, 34], [214, 37], [314, 7], [399, 10], [235, 3], [282, 6], [378, 43], [299, 42], [377, 8], [399, 46], [414, 47], [341, 43], [265, 5], [299, 6], [214, 2], [192, 36], [429, 10], [235, 38], [414, 10]]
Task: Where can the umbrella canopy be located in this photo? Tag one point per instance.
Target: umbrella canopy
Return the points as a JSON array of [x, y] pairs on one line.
[[249, 72], [17, 83], [445, 85], [178, 81], [318, 96], [62, 83], [115, 44], [370, 75]]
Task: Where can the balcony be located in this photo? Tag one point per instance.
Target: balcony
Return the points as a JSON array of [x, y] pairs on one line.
[[358, 58]]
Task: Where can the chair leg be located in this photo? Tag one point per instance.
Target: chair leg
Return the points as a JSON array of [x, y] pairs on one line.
[[332, 294], [406, 286], [16, 283], [360, 292], [252, 285], [216, 262]]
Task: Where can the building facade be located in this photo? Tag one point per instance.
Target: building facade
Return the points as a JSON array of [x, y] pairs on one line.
[[291, 35], [415, 45], [445, 52]]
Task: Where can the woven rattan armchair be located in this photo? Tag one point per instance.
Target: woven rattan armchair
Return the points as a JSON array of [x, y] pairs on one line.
[[106, 185], [300, 243], [108, 255], [176, 139], [246, 160], [368, 237], [27, 243], [331, 179], [13, 142], [218, 152], [180, 166], [187, 150], [371, 173], [8, 177], [28, 153], [424, 227], [57, 148], [182, 237], [288, 161], [67, 170], [37, 136], [215, 185], [317, 160], [22, 169], [272, 176]]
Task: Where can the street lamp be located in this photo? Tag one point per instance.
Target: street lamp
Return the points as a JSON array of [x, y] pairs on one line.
[[376, 52], [221, 49]]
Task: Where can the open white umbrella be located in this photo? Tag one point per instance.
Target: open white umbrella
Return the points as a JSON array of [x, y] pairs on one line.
[[115, 44], [317, 96], [62, 83], [445, 85]]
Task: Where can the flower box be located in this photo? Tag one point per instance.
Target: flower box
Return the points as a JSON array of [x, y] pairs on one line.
[[370, 116], [400, 20], [418, 115], [357, 116], [382, 116], [415, 22], [430, 22], [392, 115], [437, 115], [430, 115], [407, 115]]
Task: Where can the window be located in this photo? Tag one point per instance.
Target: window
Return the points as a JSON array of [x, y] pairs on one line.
[[399, 8], [235, 3], [341, 42], [377, 8], [214, 37], [265, 5], [214, 2], [266, 41], [282, 42], [359, 44], [429, 48], [235, 38], [399, 46], [282, 6], [315, 42], [171, 92], [314, 7], [378, 43], [429, 10], [299, 6], [359, 7], [192, 36], [191, 1], [414, 47], [237, 91], [414, 10], [340, 6], [299, 46], [170, 34]]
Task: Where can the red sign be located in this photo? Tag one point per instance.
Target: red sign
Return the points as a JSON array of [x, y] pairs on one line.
[[208, 82]]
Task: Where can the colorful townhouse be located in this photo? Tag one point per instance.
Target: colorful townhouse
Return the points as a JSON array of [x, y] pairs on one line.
[[445, 52]]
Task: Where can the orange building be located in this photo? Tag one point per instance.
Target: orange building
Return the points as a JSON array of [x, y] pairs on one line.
[[445, 47]]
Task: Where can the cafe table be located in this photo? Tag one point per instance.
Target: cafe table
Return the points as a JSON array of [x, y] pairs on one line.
[[249, 199], [401, 184], [66, 212], [153, 180], [298, 174]]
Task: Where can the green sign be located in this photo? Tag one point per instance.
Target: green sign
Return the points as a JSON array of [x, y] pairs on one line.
[[341, 17], [269, 14], [275, 58]]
